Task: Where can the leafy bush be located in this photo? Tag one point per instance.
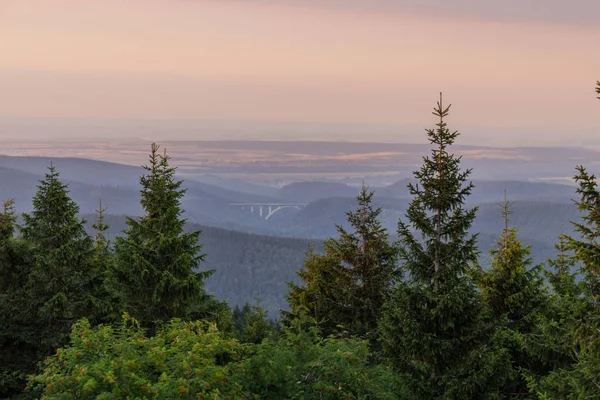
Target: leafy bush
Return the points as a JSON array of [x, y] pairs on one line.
[[183, 360], [301, 365], [186, 360]]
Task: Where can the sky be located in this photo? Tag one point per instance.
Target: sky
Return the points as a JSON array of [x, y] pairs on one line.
[[517, 72]]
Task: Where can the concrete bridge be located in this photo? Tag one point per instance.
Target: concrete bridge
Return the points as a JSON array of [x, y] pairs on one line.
[[266, 210]]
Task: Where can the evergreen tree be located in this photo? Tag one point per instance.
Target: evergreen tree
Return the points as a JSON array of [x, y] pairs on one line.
[[7, 227], [252, 323], [555, 343], [46, 280], [102, 263], [512, 287], [157, 263], [18, 337], [561, 273], [572, 334], [435, 328], [58, 285], [345, 288], [515, 294]]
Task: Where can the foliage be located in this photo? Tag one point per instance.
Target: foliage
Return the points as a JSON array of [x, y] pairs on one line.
[[59, 283], [515, 294], [253, 324], [441, 336], [302, 365], [185, 360], [156, 269], [576, 323], [188, 360], [345, 288], [18, 337], [52, 280], [435, 329]]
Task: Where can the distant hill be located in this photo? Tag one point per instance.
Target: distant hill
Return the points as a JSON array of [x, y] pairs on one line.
[[236, 185], [246, 265], [243, 247], [487, 191], [77, 169], [306, 192], [250, 265], [22, 186], [118, 187]]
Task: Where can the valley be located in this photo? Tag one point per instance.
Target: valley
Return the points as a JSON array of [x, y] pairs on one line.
[[255, 257]]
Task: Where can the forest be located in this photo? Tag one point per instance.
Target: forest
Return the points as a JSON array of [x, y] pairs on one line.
[[373, 314]]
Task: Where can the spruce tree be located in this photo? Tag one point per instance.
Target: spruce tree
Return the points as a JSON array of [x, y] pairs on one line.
[[513, 287], [58, 284], [572, 332], [46, 280], [434, 328], [345, 288], [515, 293], [156, 268], [18, 336], [555, 340], [104, 297], [7, 227]]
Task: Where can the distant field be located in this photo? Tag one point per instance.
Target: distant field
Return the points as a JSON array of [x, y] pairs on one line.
[[285, 161]]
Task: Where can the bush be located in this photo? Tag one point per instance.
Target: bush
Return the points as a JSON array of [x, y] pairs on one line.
[[183, 360]]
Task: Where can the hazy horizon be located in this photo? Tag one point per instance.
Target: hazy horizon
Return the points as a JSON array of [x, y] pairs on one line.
[[518, 73]]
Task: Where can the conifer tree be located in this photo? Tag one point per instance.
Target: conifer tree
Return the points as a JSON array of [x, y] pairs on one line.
[[253, 324], [512, 287], [47, 277], [157, 263], [58, 284], [435, 329], [572, 333], [105, 298], [555, 342], [18, 336], [345, 288], [7, 227], [101, 242], [515, 294]]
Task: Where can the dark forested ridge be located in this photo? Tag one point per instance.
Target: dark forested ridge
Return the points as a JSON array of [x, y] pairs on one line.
[[247, 266], [451, 303]]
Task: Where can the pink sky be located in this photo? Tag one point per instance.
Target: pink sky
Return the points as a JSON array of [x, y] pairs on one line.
[[330, 61]]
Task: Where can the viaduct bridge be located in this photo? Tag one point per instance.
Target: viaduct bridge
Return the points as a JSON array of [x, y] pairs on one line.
[[266, 210]]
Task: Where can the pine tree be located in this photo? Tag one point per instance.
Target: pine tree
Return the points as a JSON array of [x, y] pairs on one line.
[[514, 291], [18, 337], [512, 287], [572, 332], [434, 328], [101, 242], [58, 284], [586, 248], [157, 263], [46, 280], [253, 323], [7, 227], [103, 296], [345, 288]]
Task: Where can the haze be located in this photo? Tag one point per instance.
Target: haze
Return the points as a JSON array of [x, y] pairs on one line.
[[518, 72]]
